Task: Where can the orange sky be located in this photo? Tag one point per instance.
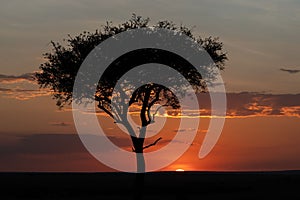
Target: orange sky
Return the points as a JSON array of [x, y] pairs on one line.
[[44, 139]]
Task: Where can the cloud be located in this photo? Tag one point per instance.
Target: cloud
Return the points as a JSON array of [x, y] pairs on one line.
[[51, 152], [23, 94], [60, 124], [291, 71], [291, 111], [14, 78], [21, 87], [51, 144], [5, 90], [248, 104], [184, 130]]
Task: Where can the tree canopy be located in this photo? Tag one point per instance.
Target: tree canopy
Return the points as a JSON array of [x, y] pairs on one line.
[[62, 63]]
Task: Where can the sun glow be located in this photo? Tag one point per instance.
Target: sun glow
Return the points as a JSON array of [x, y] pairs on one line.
[[179, 170]]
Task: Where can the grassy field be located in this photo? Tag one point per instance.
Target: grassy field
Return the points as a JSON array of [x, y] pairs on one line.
[[158, 185]]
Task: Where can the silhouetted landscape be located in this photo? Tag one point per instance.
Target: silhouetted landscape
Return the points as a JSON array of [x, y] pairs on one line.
[[158, 185], [92, 89]]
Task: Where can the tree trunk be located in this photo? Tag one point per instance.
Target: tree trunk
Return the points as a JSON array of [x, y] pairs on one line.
[[138, 147], [140, 175], [140, 162], [138, 144]]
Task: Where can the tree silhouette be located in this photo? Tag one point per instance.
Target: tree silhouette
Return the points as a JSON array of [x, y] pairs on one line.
[[62, 64]]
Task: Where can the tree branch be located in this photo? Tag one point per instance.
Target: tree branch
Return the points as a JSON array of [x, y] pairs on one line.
[[143, 113], [154, 100], [153, 116], [105, 110], [152, 144]]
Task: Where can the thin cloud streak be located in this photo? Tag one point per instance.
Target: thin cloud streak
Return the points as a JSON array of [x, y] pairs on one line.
[[62, 124], [14, 78], [291, 71], [23, 94]]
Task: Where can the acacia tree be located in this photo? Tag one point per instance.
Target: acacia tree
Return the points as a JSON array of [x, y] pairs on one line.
[[63, 62]]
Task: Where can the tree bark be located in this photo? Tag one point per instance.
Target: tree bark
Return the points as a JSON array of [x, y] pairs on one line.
[[140, 161], [140, 175]]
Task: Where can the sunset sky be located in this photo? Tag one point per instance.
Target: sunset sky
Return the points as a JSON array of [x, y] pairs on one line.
[[262, 79]]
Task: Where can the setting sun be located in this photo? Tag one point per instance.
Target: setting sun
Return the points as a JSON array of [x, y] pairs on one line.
[[179, 170]]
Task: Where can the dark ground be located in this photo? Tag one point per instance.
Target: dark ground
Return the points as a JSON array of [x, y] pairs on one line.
[[159, 185]]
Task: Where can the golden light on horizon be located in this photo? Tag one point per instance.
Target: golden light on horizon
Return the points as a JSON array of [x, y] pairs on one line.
[[179, 170]]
